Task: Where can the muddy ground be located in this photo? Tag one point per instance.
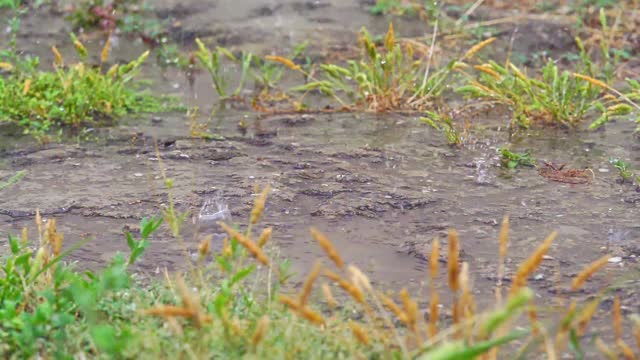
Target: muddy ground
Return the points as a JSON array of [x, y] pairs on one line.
[[381, 186]]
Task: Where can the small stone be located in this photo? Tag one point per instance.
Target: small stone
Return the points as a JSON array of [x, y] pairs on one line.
[[547, 257], [538, 277], [603, 170], [138, 175], [615, 260]]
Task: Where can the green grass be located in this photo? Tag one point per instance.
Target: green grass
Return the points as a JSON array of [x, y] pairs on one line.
[[73, 95], [556, 97], [13, 179]]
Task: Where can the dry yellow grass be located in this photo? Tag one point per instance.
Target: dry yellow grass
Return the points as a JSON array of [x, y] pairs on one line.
[[467, 303], [24, 238], [394, 308], [328, 296], [359, 279], [26, 87], [412, 311], [39, 225], [434, 302], [626, 351], [289, 302], [487, 70], [307, 287], [312, 316], [57, 56], [258, 206], [584, 317], [351, 289], [302, 311], [328, 247], [264, 237], [530, 265], [248, 244], [596, 82], [433, 259], [190, 309], [5, 66], [452, 261], [390, 39], [106, 49], [605, 350], [588, 271], [503, 240], [359, 333], [205, 246], [479, 46], [533, 319], [617, 318], [260, 331], [284, 61]]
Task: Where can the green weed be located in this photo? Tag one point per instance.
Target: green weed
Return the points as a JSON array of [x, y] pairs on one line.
[[445, 124], [74, 95], [512, 160], [624, 170], [560, 97], [213, 62], [396, 7], [557, 97], [13, 179]]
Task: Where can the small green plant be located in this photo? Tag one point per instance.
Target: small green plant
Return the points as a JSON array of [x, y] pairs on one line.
[[267, 74], [169, 54], [137, 247], [632, 97], [74, 95], [624, 170], [199, 129], [44, 302], [445, 124], [512, 160], [213, 62], [13, 179], [12, 4]]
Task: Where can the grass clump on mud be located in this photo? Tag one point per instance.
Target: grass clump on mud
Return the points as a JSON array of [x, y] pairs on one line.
[[557, 96], [387, 75], [238, 303], [72, 95]]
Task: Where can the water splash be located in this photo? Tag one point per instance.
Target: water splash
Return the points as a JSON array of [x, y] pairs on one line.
[[213, 210]]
